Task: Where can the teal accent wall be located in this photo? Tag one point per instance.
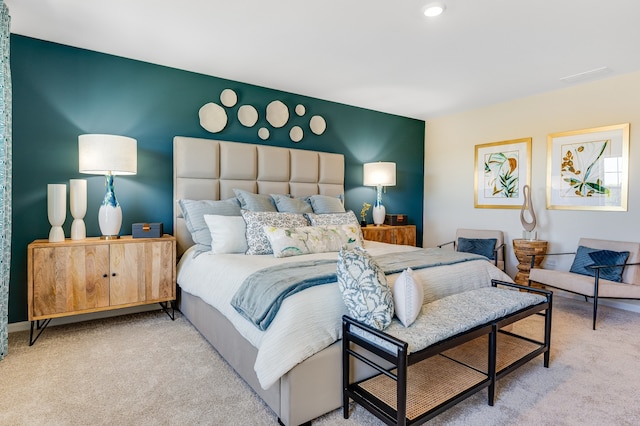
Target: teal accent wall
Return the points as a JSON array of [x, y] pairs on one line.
[[60, 92]]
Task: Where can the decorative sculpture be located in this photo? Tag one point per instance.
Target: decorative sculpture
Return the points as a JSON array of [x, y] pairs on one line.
[[527, 206]]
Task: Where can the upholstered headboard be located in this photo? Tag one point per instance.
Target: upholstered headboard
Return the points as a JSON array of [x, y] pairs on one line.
[[205, 169]]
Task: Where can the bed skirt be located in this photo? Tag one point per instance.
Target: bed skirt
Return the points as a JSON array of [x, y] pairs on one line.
[[309, 390]]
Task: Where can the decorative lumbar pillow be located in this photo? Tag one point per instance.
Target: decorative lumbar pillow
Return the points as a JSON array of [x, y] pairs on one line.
[[194, 211], [285, 203], [227, 233], [364, 288], [287, 242], [482, 246], [257, 241], [346, 218], [255, 202], [325, 204], [408, 296], [587, 256]]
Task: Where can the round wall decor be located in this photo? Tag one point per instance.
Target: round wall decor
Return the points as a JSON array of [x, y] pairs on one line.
[[296, 133], [228, 98], [263, 133], [318, 125], [213, 117], [300, 110], [277, 114], [247, 115]]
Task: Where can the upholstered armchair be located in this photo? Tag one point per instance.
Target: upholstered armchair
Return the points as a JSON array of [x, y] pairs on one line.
[[486, 242], [600, 269]]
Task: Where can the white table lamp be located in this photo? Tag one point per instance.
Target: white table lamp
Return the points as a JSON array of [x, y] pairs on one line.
[[379, 174], [108, 155]]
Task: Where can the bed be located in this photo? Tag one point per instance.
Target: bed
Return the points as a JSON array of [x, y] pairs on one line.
[[294, 365]]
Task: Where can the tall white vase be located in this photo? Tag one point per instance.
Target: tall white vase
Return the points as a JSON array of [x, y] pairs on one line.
[[78, 207], [56, 210]]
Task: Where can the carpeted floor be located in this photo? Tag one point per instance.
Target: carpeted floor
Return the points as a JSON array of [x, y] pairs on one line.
[[144, 369]]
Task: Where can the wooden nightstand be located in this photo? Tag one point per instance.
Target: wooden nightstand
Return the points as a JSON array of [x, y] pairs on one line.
[[400, 234], [92, 275]]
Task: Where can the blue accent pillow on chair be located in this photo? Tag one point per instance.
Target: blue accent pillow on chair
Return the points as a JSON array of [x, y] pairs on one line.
[[482, 246], [609, 257], [587, 256]]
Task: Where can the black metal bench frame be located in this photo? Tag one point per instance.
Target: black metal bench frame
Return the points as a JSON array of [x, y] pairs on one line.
[[357, 347]]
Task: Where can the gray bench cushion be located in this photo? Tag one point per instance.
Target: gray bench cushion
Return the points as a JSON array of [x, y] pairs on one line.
[[454, 314]]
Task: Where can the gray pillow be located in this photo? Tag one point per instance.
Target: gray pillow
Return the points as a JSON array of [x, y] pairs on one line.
[[325, 204], [345, 218], [255, 202], [284, 203], [194, 211]]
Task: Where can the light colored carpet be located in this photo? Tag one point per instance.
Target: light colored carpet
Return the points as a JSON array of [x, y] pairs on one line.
[[144, 369]]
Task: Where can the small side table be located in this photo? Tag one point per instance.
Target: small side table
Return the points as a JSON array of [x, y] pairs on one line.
[[523, 250]]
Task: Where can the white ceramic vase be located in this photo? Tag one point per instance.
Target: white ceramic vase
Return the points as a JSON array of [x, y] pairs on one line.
[[78, 207], [56, 210]]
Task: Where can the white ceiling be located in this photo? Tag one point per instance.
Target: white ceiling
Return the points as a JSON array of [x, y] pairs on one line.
[[378, 54]]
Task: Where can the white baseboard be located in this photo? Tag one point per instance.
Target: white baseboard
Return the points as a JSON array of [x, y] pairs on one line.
[[24, 325]]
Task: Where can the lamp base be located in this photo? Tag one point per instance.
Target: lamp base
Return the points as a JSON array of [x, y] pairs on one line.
[[110, 220], [378, 214]]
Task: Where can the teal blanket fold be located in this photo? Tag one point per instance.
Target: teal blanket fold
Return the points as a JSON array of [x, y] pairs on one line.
[[260, 296]]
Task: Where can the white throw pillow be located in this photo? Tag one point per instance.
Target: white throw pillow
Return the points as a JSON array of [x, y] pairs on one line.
[[408, 296], [227, 233], [364, 288]]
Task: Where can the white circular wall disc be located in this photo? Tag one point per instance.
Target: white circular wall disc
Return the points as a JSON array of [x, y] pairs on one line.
[[213, 117], [277, 114]]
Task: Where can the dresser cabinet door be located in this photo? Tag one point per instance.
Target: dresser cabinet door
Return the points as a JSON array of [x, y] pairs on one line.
[[160, 272], [69, 279], [127, 284]]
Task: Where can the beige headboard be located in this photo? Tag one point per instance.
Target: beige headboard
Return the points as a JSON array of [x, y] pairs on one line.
[[205, 169]]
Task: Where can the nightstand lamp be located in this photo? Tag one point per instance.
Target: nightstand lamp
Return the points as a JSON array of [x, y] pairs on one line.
[[379, 174], [108, 155]]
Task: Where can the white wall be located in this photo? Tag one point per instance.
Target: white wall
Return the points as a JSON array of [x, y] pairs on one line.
[[449, 165]]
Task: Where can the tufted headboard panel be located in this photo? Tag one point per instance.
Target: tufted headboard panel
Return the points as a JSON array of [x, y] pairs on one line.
[[205, 169]]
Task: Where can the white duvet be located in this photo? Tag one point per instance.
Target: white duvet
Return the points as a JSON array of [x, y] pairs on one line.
[[308, 321]]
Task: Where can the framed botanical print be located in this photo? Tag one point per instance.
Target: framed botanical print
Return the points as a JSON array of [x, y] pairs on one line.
[[588, 169], [502, 169]]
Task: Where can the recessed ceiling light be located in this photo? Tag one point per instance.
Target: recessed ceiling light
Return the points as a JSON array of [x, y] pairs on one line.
[[433, 9]]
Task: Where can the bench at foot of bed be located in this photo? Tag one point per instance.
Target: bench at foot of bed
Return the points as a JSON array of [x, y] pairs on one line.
[[457, 347]]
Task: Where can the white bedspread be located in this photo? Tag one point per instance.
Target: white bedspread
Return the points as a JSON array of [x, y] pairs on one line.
[[308, 321]]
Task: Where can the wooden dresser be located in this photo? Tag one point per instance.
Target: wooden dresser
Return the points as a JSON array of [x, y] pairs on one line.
[[400, 234], [91, 275]]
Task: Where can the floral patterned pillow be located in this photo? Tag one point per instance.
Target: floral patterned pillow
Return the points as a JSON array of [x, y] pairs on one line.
[[257, 241], [346, 218], [287, 242], [364, 288]]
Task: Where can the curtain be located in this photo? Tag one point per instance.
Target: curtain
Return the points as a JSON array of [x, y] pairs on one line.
[[5, 177]]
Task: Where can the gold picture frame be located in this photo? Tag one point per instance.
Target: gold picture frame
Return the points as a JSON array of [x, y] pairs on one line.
[[502, 169], [588, 169]]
